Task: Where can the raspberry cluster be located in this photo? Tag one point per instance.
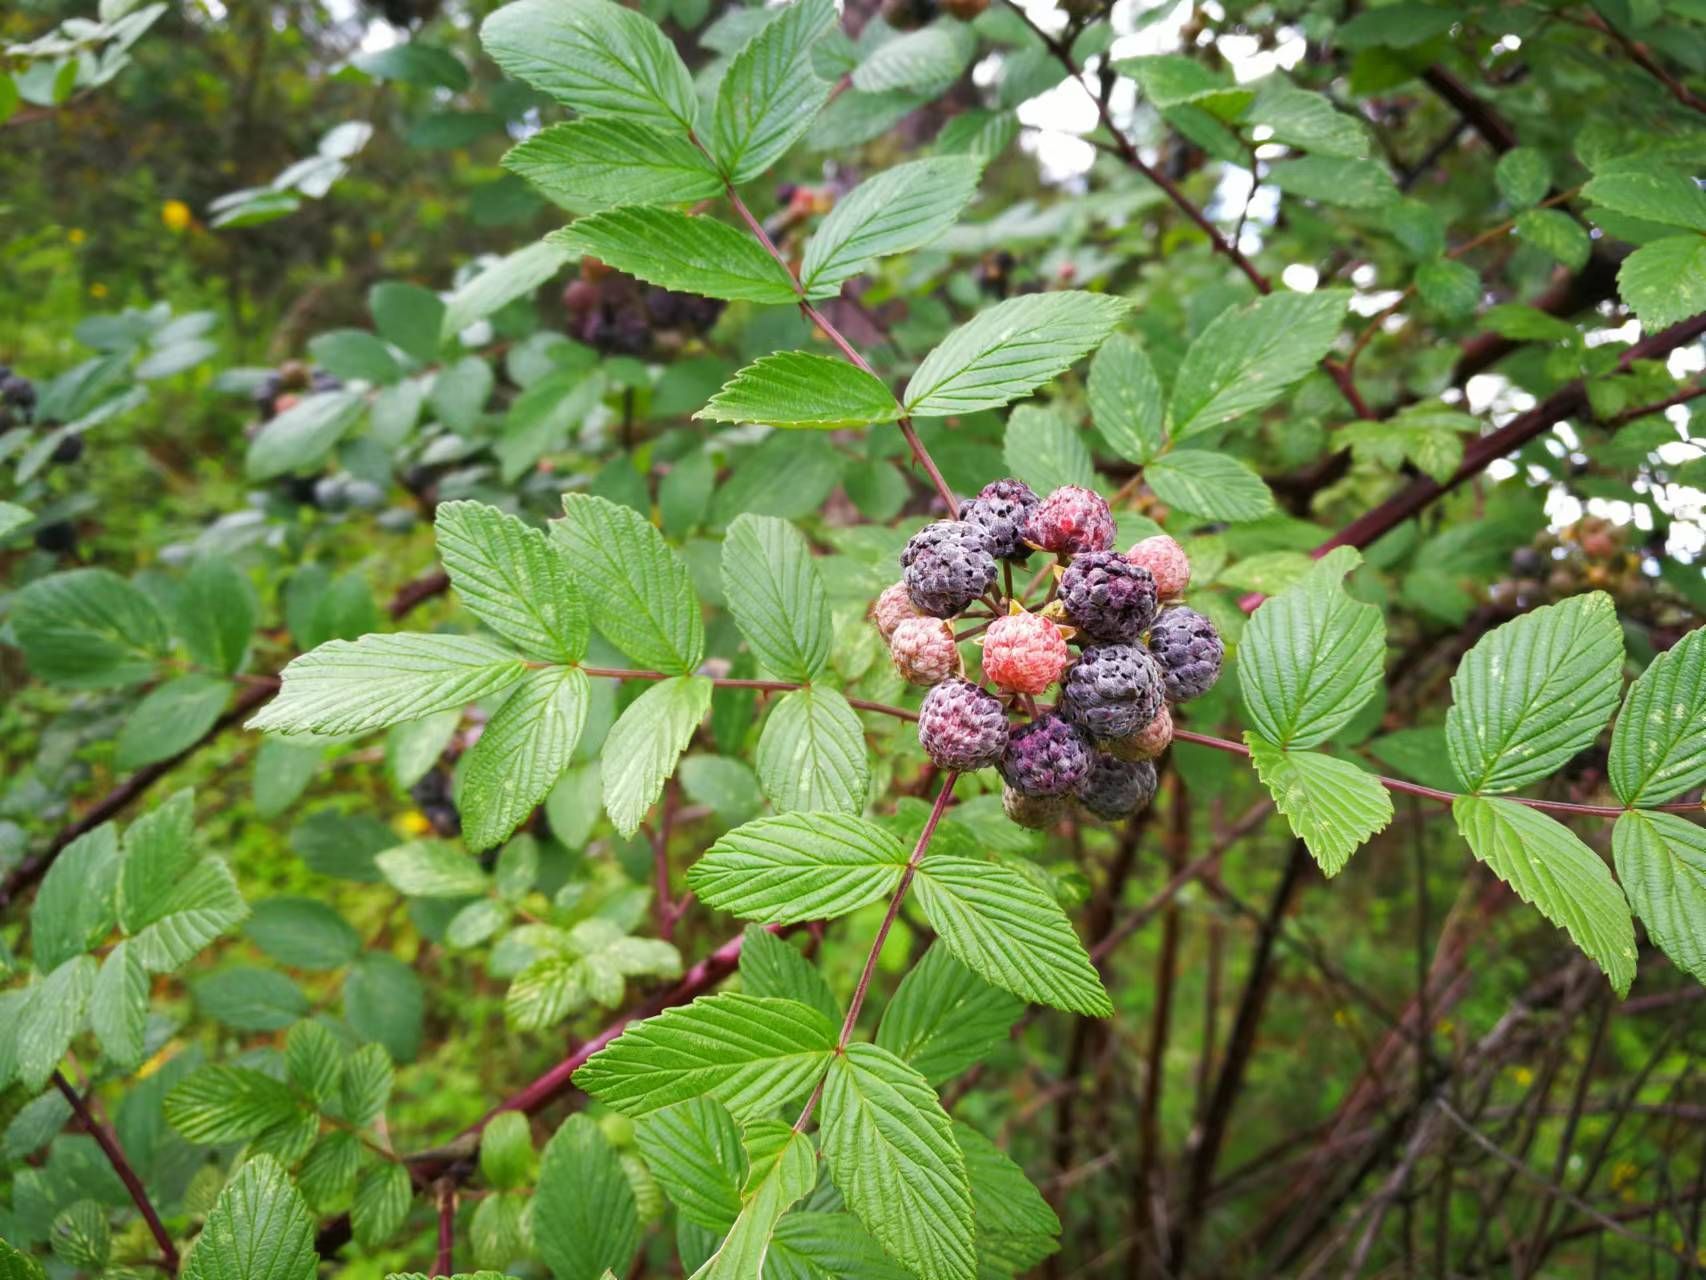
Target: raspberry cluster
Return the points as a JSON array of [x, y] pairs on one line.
[[1112, 636], [287, 384], [619, 315]]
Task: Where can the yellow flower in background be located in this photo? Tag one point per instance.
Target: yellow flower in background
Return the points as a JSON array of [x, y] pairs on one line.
[[176, 215], [97, 290], [75, 235], [414, 823]]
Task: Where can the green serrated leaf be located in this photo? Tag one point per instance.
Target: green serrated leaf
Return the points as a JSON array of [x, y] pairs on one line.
[[943, 1017], [382, 1196], [174, 716], [1665, 280], [897, 211], [771, 582], [1213, 485], [1658, 747], [260, 1229], [770, 93], [302, 933], [1126, 401], [118, 1008], [1533, 692], [781, 1174], [75, 906], [694, 1151], [798, 389], [1666, 196], [432, 869], [770, 967], [644, 744], [647, 605], [1248, 356], [827, 1246], [1004, 927], [1015, 1227], [1010, 350], [1552, 870], [87, 629], [1045, 450], [812, 754], [1523, 175], [505, 280], [751, 1054], [219, 1104], [681, 251], [512, 579], [799, 866], [1333, 806], [526, 746], [1661, 860], [602, 162], [584, 1218], [51, 1015]]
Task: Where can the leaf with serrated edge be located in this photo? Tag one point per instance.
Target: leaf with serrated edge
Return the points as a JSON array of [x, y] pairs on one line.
[[1665, 280], [1126, 401], [812, 755], [1534, 692], [358, 686], [1015, 1227], [600, 162], [432, 869], [798, 389], [896, 211], [891, 1151], [1552, 870], [777, 596], [1658, 747], [524, 750], [1661, 860], [512, 579], [594, 56], [1247, 357], [644, 744], [780, 1176], [1002, 926], [1045, 450], [118, 1007], [770, 92], [1311, 656], [1010, 350], [798, 866], [647, 607], [52, 1014], [1333, 806], [770, 967], [584, 1216], [1214, 485], [693, 1149], [752, 1054], [943, 1017], [260, 1229], [827, 1246], [680, 251], [228, 1104]]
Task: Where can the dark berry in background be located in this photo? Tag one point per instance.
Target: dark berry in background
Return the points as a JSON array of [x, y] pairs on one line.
[[1118, 789]]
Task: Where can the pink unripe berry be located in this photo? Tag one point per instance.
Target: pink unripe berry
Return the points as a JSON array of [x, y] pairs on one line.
[[1166, 562], [1071, 520], [892, 608], [924, 651], [1024, 653]]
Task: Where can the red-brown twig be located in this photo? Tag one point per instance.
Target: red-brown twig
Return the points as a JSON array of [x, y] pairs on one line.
[[107, 1141]]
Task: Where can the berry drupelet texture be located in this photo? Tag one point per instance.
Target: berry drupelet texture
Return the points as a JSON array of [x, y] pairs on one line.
[[892, 608], [1112, 691], [1071, 520], [947, 566], [1107, 597], [1166, 562], [962, 727], [1118, 788], [1024, 653], [1189, 651], [1047, 757], [1148, 742], [1036, 812], [924, 651], [1001, 510]]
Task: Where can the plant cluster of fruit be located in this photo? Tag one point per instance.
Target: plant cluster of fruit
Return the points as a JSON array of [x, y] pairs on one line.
[[616, 314], [1111, 634]]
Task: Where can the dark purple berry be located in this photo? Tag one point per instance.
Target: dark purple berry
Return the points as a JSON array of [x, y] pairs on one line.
[[1112, 691], [1118, 788], [58, 538], [947, 566], [69, 449], [1107, 597], [1001, 510], [961, 727], [1047, 757], [1188, 650]]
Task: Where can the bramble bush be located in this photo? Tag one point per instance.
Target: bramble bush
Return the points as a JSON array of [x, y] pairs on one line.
[[867, 587]]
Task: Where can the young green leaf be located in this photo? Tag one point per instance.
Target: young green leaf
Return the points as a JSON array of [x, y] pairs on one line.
[[1669, 197], [1213, 485], [680, 251], [260, 1229], [595, 56], [798, 389], [1311, 657], [694, 1151], [1523, 175], [776, 595], [1126, 402], [364, 1085], [174, 716], [1665, 280], [1015, 1227], [219, 1104], [647, 605], [897, 211], [1247, 357], [1551, 869], [1010, 350], [303, 434], [812, 754], [359, 686], [52, 1014], [770, 967], [1333, 806], [584, 1216], [825, 1246], [512, 579], [118, 1007], [432, 869], [1045, 450], [603, 162], [770, 93], [1002, 926], [943, 1017], [891, 1151], [1661, 860], [1658, 747], [75, 905], [215, 614], [1534, 692], [798, 866], [751, 1054], [382, 1196], [87, 629], [525, 748], [643, 746], [923, 62], [784, 1169]]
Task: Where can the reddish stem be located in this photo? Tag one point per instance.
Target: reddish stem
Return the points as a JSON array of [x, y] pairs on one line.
[[108, 1143]]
